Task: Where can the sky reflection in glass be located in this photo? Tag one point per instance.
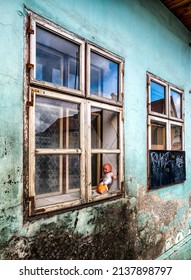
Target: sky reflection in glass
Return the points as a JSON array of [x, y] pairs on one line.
[[104, 81], [175, 104], [157, 98]]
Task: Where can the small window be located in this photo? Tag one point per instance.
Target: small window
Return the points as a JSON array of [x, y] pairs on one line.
[[165, 133], [73, 133]]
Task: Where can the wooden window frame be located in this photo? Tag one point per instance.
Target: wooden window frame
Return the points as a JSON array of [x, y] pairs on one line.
[[167, 119], [85, 151], [35, 21], [110, 57], [37, 204]]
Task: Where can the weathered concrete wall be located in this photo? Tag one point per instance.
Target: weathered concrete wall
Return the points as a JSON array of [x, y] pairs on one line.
[[143, 225]]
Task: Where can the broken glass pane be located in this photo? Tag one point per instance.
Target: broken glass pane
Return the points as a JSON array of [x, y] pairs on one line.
[[104, 129]]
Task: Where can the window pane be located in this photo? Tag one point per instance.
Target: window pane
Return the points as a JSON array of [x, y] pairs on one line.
[[57, 124], [158, 136], [104, 129], [176, 137], [104, 77], [47, 174], [175, 104], [57, 174], [157, 98], [57, 59], [98, 160]]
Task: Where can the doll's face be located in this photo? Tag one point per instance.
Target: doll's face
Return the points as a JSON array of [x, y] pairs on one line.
[[106, 168]]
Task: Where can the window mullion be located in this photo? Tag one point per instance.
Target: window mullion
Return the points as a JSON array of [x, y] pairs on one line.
[[168, 136], [87, 135], [83, 154]]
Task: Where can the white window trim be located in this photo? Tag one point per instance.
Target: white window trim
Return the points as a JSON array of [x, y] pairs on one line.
[[168, 124]]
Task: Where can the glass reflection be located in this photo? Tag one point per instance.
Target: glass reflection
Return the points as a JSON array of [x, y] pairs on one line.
[[175, 104], [57, 59], [157, 98], [104, 77], [57, 124]]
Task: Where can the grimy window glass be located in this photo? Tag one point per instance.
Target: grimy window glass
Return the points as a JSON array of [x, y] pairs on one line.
[[158, 98], [57, 59], [57, 126], [57, 174], [104, 77]]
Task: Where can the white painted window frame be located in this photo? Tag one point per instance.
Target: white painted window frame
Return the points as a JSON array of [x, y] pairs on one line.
[[167, 124]]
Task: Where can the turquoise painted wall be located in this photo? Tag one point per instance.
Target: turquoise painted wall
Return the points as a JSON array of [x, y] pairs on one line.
[[149, 38], [11, 117]]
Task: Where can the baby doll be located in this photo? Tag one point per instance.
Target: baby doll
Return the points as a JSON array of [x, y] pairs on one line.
[[106, 180]]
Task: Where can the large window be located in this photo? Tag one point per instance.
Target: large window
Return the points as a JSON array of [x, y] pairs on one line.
[[76, 124], [165, 132]]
